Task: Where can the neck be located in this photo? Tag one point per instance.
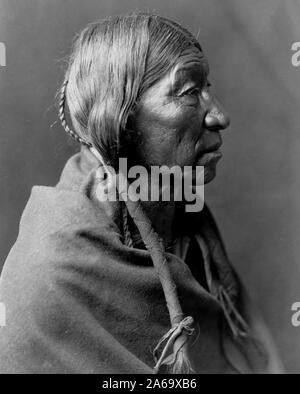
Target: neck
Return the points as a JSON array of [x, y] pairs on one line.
[[161, 215]]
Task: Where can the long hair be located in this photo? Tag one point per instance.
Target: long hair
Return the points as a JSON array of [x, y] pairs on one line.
[[113, 62]]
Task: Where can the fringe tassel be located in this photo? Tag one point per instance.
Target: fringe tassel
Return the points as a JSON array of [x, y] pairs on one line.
[[240, 328], [175, 340], [235, 321]]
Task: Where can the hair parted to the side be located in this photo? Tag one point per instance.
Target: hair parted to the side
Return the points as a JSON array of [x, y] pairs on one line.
[[113, 62]]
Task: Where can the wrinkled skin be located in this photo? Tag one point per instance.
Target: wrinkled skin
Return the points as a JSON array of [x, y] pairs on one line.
[[178, 119], [176, 122]]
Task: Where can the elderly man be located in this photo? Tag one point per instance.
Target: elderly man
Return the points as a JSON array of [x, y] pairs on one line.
[[130, 286]]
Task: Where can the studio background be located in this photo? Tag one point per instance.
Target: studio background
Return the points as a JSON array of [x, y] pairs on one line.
[[255, 197]]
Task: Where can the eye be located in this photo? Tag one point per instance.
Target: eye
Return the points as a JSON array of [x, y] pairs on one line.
[[191, 92], [195, 90]]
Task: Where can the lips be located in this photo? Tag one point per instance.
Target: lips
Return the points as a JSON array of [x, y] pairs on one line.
[[210, 154], [209, 158], [212, 148], [208, 142]]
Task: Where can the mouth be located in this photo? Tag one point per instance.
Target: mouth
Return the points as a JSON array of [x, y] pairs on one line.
[[209, 158], [213, 148], [210, 155]]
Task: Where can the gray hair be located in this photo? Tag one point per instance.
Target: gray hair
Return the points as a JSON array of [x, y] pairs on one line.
[[113, 62]]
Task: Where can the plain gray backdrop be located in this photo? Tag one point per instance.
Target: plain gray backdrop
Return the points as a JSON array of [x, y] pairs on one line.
[[255, 197]]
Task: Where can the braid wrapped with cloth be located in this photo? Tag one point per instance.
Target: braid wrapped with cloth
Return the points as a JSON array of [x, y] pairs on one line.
[[177, 337]]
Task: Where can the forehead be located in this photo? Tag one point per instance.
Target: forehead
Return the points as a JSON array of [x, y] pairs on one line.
[[192, 63], [192, 57], [191, 66]]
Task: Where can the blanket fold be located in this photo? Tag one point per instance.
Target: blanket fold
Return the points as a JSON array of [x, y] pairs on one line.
[[78, 300]]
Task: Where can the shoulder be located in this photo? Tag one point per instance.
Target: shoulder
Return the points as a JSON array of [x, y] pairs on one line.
[[62, 240]]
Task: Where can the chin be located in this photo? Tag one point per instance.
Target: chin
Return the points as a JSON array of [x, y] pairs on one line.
[[209, 173]]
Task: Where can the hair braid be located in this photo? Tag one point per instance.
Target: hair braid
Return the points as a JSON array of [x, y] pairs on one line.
[[103, 113], [127, 235], [61, 114], [175, 340]]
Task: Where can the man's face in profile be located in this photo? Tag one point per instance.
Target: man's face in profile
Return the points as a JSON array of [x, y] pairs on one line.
[[178, 120]]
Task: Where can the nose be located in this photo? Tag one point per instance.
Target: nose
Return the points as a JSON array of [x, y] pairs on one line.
[[216, 118]]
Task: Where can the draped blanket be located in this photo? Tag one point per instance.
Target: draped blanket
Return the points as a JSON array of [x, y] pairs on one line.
[[78, 300]]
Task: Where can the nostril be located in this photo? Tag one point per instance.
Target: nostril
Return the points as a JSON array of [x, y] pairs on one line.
[[216, 120], [215, 128]]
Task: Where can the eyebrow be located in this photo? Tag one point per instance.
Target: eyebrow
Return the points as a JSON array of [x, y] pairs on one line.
[[197, 73]]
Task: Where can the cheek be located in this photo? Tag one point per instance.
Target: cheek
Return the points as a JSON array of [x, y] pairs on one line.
[[167, 134], [174, 116], [189, 132]]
